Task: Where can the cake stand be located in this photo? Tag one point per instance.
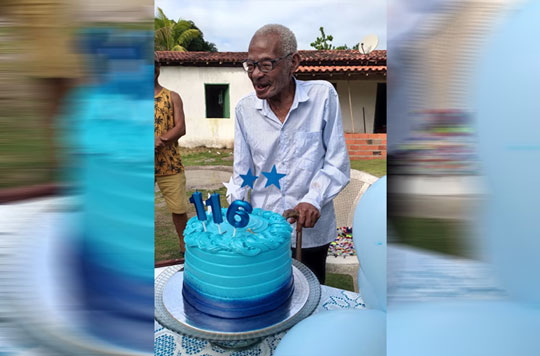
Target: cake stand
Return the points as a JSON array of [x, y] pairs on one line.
[[173, 313]]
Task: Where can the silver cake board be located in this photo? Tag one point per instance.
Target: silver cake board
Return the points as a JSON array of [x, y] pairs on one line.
[[172, 312]]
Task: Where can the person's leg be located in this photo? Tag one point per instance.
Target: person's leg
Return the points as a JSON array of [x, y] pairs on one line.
[[315, 259], [173, 188], [180, 221]]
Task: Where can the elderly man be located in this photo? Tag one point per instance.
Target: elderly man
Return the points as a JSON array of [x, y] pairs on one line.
[[296, 126]]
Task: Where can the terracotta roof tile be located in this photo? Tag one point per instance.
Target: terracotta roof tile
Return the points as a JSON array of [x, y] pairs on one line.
[[169, 57], [347, 56], [311, 61], [341, 69]]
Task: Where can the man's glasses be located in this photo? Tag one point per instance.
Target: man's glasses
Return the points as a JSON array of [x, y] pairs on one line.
[[265, 66]]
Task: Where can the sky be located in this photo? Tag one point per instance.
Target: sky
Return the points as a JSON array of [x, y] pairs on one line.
[[231, 23]]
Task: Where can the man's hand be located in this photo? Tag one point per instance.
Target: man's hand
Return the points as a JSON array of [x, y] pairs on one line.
[[158, 142], [308, 215]]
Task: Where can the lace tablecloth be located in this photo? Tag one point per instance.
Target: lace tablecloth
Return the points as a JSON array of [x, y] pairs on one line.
[[168, 343]]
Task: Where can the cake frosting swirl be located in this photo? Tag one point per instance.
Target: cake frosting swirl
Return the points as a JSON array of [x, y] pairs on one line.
[[265, 231]]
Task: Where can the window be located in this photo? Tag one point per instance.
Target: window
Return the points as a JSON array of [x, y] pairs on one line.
[[217, 100]]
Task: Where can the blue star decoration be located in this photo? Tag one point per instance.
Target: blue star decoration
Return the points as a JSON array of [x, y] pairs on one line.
[[248, 178], [273, 177]]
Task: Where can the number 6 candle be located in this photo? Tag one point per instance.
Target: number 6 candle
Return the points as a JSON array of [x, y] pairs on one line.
[[241, 209]]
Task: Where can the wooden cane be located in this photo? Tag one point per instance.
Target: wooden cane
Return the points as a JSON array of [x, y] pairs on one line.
[[291, 213], [299, 245]]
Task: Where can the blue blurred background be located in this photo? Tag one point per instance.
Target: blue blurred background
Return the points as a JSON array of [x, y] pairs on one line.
[[77, 213], [463, 142]]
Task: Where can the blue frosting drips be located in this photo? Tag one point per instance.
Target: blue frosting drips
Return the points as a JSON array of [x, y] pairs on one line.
[[266, 231]]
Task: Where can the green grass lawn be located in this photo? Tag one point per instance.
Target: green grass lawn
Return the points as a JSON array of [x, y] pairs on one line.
[[203, 156], [341, 281], [376, 167], [26, 153], [439, 235]]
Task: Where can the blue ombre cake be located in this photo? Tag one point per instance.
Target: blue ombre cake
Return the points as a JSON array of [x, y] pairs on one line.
[[109, 132], [240, 276]]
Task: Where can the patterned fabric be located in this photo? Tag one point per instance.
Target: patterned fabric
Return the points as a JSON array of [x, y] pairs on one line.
[[335, 299], [167, 157], [331, 299]]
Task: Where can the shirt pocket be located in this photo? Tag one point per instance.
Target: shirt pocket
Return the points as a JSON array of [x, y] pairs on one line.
[[307, 164], [309, 149]]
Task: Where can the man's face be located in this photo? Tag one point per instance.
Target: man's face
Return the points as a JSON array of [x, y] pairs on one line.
[[271, 84]]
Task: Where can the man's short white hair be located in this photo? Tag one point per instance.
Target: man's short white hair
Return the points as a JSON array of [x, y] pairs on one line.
[[288, 39]]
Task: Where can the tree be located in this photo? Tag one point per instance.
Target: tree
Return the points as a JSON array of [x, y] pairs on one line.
[[324, 42], [199, 44], [179, 36]]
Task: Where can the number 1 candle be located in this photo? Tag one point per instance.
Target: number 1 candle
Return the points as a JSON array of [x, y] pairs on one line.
[[215, 205], [196, 199]]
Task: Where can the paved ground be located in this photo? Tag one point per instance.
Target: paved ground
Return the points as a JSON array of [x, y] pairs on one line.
[[437, 197], [207, 177]]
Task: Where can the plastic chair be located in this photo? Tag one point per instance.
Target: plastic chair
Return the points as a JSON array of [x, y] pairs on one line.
[[344, 205]]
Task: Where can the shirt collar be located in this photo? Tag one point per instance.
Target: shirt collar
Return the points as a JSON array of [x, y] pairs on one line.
[[300, 96]]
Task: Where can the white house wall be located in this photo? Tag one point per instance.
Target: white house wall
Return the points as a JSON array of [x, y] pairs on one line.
[[189, 83], [363, 95]]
